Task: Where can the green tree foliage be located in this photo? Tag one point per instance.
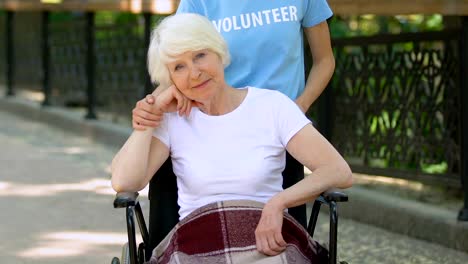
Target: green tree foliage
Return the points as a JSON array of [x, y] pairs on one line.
[[366, 25]]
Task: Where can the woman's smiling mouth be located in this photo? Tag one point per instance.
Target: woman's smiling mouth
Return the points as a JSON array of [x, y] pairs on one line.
[[201, 85]]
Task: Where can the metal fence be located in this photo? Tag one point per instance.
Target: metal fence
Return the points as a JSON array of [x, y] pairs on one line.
[[27, 74], [3, 60], [120, 67], [396, 105], [67, 45]]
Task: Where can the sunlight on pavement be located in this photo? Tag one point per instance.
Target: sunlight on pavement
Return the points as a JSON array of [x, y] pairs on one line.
[[363, 178], [36, 96], [62, 244], [4, 186], [98, 186], [68, 150]]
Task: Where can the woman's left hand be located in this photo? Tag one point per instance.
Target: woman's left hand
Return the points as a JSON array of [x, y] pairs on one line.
[[268, 232]]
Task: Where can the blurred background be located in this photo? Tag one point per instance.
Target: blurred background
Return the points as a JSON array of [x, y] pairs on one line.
[[396, 107]]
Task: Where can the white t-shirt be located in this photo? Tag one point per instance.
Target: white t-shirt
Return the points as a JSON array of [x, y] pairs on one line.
[[239, 155]]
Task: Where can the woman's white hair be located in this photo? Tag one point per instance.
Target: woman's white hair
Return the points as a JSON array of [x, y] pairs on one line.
[[178, 34]]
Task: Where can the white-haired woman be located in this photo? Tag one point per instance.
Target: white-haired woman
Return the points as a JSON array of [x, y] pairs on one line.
[[228, 155]]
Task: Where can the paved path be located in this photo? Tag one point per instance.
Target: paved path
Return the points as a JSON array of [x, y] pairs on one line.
[[55, 197], [56, 206]]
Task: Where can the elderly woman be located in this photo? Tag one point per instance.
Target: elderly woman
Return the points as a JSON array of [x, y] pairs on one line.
[[227, 154]]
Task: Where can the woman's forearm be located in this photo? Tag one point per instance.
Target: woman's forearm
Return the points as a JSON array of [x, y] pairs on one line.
[[129, 166], [329, 169], [308, 189]]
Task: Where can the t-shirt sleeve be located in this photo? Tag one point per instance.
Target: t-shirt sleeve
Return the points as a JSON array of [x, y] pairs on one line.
[[187, 6], [162, 132], [289, 118], [316, 11]]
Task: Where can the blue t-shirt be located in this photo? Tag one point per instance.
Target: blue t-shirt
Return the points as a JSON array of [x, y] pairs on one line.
[[264, 37]]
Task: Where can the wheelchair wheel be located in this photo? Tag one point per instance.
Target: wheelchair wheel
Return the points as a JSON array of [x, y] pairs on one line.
[[125, 254], [115, 260]]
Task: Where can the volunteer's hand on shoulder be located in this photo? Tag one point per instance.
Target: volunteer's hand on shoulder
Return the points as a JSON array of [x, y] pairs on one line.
[[148, 112]]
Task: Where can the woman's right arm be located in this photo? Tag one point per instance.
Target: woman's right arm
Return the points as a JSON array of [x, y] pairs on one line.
[[137, 161], [142, 154]]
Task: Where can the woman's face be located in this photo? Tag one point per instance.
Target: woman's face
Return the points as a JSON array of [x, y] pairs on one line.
[[198, 74]]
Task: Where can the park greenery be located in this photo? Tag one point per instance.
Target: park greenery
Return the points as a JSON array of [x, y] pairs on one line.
[[367, 25], [340, 26]]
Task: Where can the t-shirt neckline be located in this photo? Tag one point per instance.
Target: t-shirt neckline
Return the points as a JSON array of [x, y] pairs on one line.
[[236, 110]]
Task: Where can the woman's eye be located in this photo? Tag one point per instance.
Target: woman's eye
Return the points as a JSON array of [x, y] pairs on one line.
[[178, 67], [200, 55]]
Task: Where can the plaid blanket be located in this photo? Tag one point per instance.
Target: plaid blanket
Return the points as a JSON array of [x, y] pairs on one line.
[[223, 232]]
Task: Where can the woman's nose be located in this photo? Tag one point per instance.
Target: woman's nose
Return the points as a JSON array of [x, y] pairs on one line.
[[195, 73]]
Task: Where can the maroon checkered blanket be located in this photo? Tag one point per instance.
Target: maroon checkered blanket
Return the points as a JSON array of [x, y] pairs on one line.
[[223, 232]]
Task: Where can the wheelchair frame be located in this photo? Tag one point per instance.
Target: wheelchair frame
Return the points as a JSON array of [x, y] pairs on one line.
[[142, 253]]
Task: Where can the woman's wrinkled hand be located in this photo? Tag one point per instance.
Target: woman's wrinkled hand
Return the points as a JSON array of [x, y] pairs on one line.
[[172, 100], [147, 114], [268, 235]]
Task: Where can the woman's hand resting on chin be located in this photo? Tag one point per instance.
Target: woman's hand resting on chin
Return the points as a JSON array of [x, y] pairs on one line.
[[148, 112]]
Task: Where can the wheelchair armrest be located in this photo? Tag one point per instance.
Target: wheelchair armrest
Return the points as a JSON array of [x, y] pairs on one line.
[[125, 199], [332, 195], [335, 194]]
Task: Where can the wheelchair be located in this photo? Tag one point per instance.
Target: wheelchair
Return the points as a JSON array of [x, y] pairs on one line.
[[163, 216]]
